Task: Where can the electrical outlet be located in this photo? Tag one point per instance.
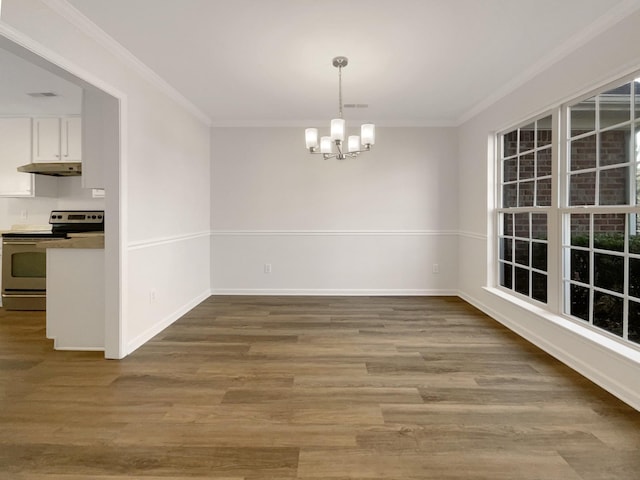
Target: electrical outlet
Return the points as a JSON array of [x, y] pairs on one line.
[[24, 214], [435, 268], [267, 268], [152, 296]]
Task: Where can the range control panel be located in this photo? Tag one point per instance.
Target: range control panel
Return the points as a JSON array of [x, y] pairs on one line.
[[66, 217]]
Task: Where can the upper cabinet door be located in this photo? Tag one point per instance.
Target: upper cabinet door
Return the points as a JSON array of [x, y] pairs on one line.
[[57, 139], [46, 140], [71, 144]]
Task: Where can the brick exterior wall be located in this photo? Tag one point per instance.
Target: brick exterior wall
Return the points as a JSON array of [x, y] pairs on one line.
[[613, 183]]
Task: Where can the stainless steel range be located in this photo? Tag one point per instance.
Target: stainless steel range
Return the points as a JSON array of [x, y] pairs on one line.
[[24, 261]]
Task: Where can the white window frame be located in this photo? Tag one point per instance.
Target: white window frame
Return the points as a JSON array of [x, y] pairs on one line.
[[552, 269]]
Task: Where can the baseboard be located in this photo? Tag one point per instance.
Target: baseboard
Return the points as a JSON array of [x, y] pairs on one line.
[[600, 374], [334, 292], [80, 349], [144, 337], [73, 349]]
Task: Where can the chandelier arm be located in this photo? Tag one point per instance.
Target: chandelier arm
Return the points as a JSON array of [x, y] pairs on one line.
[[365, 148], [316, 151]]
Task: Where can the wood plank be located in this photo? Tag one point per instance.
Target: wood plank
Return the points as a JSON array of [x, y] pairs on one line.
[[474, 464]]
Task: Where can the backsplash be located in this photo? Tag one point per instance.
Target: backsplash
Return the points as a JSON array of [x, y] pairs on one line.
[[35, 211]]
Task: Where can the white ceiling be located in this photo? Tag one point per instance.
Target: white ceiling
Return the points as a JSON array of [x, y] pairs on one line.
[[415, 62]]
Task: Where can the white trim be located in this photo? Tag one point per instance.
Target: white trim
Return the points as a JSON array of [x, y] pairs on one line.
[[154, 242], [120, 296], [624, 358], [602, 24], [417, 123], [76, 349], [86, 26], [158, 327], [325, 233], [334, 292], [474, 236]]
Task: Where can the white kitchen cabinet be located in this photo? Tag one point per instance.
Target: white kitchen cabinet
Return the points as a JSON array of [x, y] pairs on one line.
[[15, 151], [57, 139], [71, 139], [46, 139]]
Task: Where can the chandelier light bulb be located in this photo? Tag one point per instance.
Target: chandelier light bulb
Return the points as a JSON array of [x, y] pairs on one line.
[[354, 143], [325, 145], [368, 133], [337, 129], [311, 138]]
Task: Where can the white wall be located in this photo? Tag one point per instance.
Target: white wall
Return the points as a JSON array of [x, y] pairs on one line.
[[606, 57], [371, 225], [169, 217], [157, 191]]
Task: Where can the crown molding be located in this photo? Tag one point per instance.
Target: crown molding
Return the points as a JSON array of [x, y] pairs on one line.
[[606, 21], [325, 122], [76, 18]]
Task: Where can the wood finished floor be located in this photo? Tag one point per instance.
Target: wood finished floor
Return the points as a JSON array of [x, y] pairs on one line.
[[257, 388]]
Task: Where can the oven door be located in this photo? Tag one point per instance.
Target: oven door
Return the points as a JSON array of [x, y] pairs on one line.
[[24, 266]]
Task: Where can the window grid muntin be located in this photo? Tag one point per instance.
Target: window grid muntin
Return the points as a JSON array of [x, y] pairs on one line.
[[535, 150], [591, 286], [631, 162], [513, 264]]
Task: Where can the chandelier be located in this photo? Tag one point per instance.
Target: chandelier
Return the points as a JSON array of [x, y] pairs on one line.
[[355, 144]]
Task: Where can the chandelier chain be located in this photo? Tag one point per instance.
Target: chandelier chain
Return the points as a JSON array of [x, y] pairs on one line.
[[340, 90]]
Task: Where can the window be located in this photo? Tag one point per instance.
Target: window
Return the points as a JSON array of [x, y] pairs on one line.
[[526, 175], [600, 250], [593, 227]]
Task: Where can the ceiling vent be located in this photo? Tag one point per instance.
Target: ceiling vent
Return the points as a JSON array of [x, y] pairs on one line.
[[42, 94], [356, 105]]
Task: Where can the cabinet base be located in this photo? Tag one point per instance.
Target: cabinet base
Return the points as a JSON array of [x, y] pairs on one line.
[[15, 301]]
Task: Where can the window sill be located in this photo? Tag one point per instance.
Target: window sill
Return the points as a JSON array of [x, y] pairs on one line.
[[600, 339]]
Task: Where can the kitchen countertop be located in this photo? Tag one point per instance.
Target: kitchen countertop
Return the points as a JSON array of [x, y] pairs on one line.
[[76, 240], [20, 228]]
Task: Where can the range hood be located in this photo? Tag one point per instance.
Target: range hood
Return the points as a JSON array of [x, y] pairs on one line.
[[54, 169]]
